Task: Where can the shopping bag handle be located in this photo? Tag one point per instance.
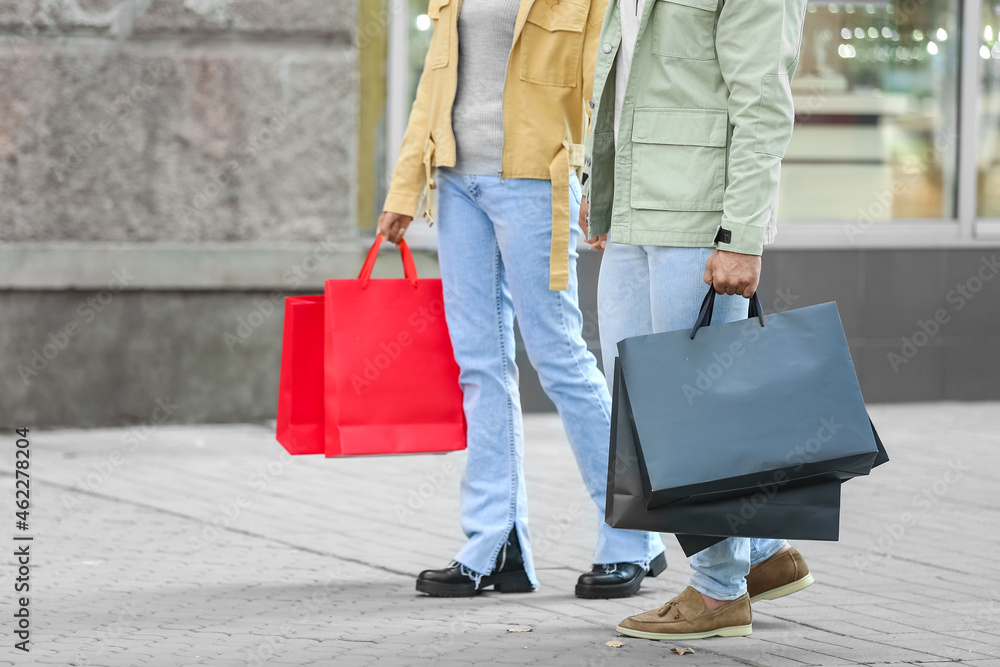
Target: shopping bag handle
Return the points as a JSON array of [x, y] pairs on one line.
[[705, 314], [409, 267]]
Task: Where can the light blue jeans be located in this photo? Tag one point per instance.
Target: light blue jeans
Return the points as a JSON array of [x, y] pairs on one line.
[[649, 289], [494, 243]]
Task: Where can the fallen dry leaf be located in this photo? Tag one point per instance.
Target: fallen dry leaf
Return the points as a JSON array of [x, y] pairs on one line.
[[518, 629], [614, 643], [682, 651]]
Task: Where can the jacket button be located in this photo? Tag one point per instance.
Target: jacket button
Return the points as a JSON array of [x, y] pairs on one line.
[[591, 102], [587, 161], [606, 48]]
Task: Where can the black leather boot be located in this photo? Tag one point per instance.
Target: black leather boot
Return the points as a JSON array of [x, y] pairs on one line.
[[617, 580], [458, 581]]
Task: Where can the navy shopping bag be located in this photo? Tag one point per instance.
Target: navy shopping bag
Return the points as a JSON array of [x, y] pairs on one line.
[[727, 410], [808, 512]]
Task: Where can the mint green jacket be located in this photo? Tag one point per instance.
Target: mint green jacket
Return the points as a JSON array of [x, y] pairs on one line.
[[706, 119]]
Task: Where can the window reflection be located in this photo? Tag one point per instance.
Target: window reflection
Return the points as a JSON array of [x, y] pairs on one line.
[[875, 99], [989, 109], [876, 95], [421, 29]]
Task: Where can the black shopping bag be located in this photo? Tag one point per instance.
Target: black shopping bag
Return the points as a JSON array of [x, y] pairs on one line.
[[726, 410], [810, 512]]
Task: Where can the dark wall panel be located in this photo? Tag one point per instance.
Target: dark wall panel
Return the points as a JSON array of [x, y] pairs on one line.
[[923, 325]]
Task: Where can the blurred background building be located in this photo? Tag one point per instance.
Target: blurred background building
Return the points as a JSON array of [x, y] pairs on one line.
[[172, 169]]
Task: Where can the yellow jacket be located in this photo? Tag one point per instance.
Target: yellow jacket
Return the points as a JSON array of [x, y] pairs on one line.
[[546, 105]]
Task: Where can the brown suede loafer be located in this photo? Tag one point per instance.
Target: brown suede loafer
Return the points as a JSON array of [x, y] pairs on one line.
[[778, 576], [685, 617]]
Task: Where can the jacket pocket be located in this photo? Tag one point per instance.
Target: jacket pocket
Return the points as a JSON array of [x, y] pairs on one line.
[[552, 43], [440, 49], [679, 159], [684, 29]]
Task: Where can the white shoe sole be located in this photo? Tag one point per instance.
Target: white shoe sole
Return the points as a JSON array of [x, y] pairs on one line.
[[787, 589], [731, 631]]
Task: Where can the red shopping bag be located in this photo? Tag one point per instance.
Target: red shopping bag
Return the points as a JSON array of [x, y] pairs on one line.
[[391, 381], [300, 390]]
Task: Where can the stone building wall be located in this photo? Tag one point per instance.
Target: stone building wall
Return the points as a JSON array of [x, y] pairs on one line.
[[203, 149], [177, 120]]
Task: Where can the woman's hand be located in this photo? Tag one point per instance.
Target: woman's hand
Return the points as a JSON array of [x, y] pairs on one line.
[[392, 226], [599, 242]]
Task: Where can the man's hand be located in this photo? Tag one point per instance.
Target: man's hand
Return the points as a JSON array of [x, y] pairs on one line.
[[392, 226], [601, 240], [733, 273]]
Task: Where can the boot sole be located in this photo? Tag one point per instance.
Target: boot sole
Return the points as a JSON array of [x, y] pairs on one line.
[[507, 582], [731, 631], [787, 589]]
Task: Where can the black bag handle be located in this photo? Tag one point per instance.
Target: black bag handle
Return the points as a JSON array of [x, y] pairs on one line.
[[708, 305]]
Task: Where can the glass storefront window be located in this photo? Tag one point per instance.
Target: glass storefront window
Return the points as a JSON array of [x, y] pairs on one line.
[[989, 110], [418, 38], [420, 27], [876, 99], [876, 95]]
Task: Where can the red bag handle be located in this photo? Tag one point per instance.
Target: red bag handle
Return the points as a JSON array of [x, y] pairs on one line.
[[409, 267]]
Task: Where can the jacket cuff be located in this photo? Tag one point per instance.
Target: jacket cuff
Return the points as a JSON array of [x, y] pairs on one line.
[[403, 203], [741, 238], [598, 227]]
